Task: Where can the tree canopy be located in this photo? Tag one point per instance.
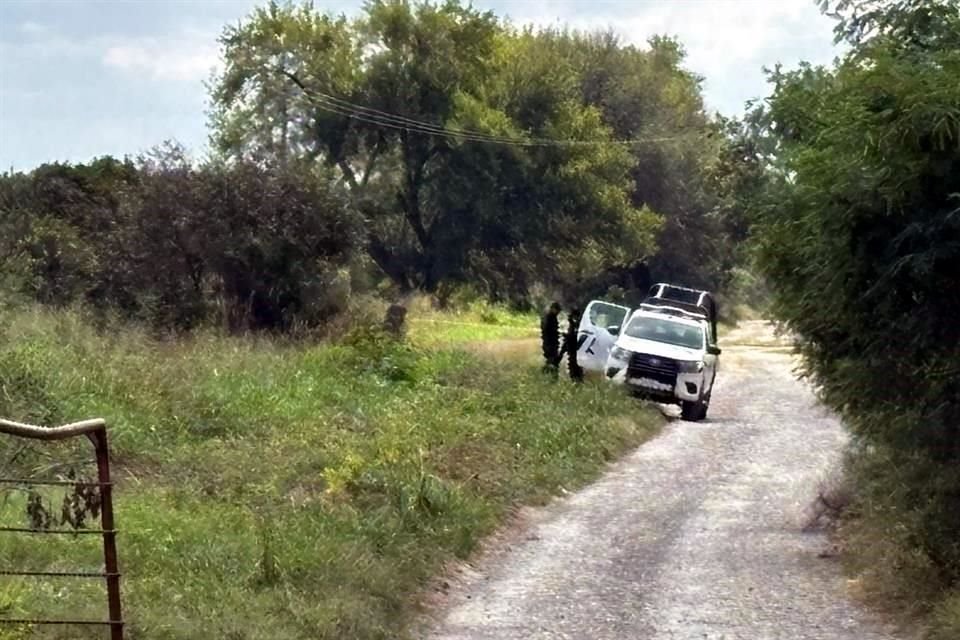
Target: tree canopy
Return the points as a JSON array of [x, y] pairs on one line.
[[860, 238], [474, 151], [419, 146]]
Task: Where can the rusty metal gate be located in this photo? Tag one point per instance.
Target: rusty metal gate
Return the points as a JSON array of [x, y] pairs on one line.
[[96, 432]]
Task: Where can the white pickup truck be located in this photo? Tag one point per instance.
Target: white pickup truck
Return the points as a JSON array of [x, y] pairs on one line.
[[665, 351]]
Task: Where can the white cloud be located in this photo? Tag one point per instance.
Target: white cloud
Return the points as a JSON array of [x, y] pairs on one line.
[[186, 55], [727, 41], [719, 34], [41, 43], [186, 59], [30, 28]]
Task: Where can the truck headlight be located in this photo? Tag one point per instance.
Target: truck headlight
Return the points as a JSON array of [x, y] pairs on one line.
[[695, 366], [620, 354]]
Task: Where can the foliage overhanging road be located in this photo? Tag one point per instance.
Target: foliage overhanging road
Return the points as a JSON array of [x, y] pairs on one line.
[[697, 535]]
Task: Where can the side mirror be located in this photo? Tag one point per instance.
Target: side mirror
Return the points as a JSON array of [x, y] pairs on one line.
[[713, 350], [614, 330]]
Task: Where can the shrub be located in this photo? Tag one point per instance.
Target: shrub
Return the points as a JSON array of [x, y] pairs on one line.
[[254, 246]]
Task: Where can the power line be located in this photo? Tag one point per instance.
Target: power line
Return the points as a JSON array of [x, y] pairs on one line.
[[394, 121], [434, 131], [401, 123], [390, 117]]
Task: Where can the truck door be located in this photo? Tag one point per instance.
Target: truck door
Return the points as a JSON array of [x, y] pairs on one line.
[[599, 327], [710, 361]]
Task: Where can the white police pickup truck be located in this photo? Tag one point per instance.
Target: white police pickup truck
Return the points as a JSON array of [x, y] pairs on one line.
[[665, 351]]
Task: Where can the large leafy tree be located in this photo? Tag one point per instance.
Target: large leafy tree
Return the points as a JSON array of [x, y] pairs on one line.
[[378, 98], [680, 153], [861, 240]]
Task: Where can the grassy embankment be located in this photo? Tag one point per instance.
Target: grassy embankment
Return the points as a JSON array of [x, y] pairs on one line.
[[473, 326], [890, 572], [282, 491]]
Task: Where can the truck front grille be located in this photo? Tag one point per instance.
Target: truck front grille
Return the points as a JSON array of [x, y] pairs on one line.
[[663, 370]]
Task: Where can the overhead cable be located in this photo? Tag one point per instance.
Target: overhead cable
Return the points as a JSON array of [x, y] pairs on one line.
[[394, 121]]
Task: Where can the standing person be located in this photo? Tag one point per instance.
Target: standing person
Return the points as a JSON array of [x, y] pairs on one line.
[[570, 345], [550, 339]]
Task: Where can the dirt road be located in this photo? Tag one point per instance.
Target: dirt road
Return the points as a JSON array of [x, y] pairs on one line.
[[696, 535]]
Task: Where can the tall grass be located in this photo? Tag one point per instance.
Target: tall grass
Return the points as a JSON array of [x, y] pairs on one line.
[[474, 322], [881, 530], [283, 491]]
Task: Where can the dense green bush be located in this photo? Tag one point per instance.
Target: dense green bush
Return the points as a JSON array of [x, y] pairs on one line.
[[861, 243], [242, 244]]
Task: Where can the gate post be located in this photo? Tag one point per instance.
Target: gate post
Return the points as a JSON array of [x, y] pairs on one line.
[[96, 432], [111, 565]]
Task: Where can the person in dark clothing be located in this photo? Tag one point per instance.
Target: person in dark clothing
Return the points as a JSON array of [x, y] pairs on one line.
[[550, 339], [570, 345]]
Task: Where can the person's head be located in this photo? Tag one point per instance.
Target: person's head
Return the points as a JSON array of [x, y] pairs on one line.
[[554, 308]]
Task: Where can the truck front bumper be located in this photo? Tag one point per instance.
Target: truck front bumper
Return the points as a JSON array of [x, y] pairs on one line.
[[687, 388]]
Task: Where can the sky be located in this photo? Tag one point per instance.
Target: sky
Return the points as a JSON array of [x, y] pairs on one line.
[[80, 78]]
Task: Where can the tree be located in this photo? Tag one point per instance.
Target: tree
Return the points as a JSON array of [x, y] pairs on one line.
[[377, 99], [679, 154], [161, 240], [860, 237], [55, 217], [280, 244]]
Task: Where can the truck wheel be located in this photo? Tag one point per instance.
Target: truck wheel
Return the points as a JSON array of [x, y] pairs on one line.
[[693, 411], [705, 404], [703, 409], [688, 410]]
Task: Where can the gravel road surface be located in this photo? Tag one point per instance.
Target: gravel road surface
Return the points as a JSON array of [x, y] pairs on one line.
[[697, 535]]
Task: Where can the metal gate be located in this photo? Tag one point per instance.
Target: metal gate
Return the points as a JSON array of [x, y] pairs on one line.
[[96, 432]]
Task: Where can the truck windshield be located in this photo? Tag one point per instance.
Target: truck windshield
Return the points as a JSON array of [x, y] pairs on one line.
[[666, 330]]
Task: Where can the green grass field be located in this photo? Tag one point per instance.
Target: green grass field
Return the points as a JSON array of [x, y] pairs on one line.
[[287, 491], [477, 323]]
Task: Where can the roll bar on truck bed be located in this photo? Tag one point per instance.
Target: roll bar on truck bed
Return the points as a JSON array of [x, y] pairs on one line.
[[696, 301]]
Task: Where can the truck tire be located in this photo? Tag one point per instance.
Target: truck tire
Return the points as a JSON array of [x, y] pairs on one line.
[[693, 411]]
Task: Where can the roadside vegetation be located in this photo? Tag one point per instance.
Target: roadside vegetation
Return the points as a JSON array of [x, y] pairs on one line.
[[289, 471], [474, 322], [269, 488], [859, 237]]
